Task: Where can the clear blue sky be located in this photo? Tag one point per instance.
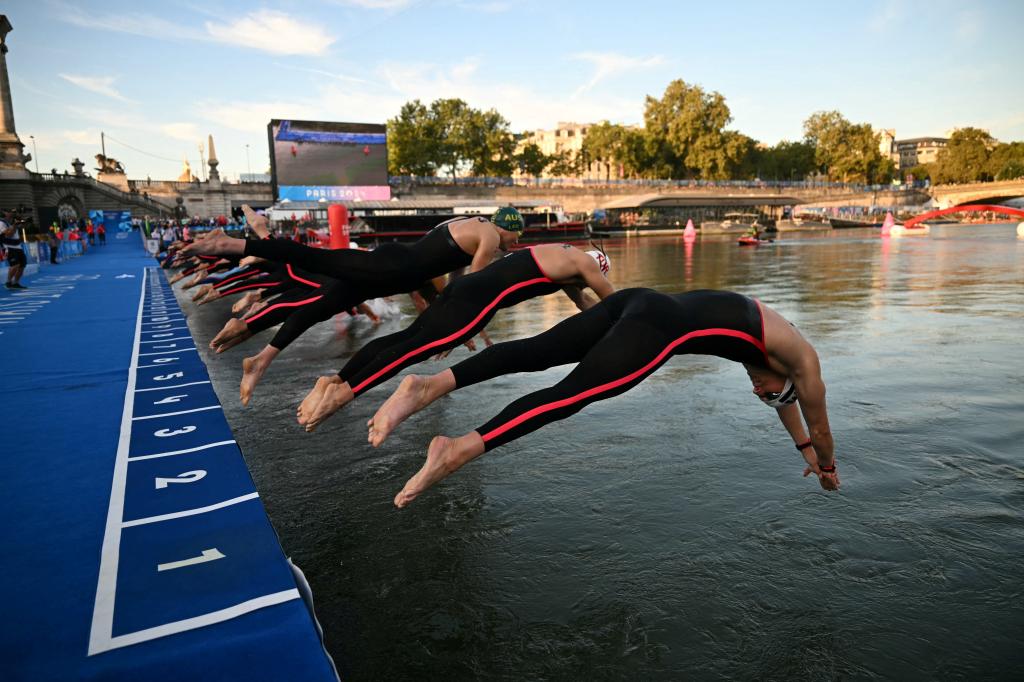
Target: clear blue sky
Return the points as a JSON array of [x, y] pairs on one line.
[[162, 76]]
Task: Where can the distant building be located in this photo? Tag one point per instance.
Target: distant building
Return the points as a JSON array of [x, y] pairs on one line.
[[567, 138], [887, 145], [919, 150]]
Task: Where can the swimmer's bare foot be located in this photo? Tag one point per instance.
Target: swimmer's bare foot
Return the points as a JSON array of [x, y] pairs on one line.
[[200, 276], [246, 301], [309, 404], [233, 341], [255, 308], [202, 291], [444, 457], [336, 396], [178, 276], [252, 371], [259, 224], [210, 297], [410, 397], [231, 328]]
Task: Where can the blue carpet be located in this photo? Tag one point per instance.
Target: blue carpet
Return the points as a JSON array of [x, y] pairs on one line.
[[136, 546]]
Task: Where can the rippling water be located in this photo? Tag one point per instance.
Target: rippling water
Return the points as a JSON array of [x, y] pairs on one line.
[[668, 534]]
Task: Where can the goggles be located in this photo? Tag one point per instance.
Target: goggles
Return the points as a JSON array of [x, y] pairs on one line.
[[787, 396]]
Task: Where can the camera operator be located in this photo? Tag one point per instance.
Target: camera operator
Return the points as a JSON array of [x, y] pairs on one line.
[[11, 237]]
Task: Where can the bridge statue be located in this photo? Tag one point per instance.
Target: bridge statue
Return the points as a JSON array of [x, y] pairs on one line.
[[109, 164]]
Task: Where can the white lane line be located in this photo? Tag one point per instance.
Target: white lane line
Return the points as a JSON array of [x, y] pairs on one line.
[[169, 352], [164, 364], [102, 628], [182, 452], [199, 621], [182, 319], [190, 512], [171, 414], [179, 338], [164, 388]]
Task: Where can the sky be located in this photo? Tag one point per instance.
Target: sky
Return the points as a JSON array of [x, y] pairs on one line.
[[158, 77]]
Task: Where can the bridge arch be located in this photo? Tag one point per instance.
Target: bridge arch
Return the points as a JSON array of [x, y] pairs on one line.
[[70, 206], [970, 208]]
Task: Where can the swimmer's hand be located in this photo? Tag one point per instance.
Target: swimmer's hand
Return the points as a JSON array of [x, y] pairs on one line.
[[828, 480]]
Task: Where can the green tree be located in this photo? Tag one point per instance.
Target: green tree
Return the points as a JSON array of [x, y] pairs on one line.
[[604, 144], [450, 120], [965, 157], [737, 157], [566, 163], [922, 171], [531, 160], [846, 151], [1007, 161], [451, 136], [412, 144], [687, 131], [636, 163], [486, 143], [786, 161]]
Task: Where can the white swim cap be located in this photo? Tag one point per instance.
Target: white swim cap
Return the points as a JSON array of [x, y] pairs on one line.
[[602, 259], [787, 396]]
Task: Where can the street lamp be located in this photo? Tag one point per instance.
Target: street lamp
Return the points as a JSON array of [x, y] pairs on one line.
[[35, 154], [247, 164]]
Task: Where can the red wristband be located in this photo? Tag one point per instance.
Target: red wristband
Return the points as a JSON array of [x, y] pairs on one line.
[[827, 470], [803, 446]]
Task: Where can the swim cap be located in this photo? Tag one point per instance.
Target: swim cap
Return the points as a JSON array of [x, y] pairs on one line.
[[508, 218], [602, 259], [787, 396]]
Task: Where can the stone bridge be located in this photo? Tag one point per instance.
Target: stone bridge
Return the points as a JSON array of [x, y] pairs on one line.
[[45, 194], [977, 193], [587, 198]]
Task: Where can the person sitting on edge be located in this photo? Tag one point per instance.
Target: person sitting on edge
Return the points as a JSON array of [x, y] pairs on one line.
[[360, 275], [461, 312], [617, 344]]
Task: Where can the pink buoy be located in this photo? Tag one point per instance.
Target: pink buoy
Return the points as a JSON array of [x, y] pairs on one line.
[[887, 224], [690, 232]]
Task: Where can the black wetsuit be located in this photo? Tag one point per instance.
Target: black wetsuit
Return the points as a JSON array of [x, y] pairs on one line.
[[617, 343], [459, 313], [357, 275]]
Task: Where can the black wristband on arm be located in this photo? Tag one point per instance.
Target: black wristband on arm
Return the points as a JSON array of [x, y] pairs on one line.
[[803, 446]]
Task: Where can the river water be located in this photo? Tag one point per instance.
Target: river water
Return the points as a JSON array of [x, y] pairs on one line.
[[667, 533]]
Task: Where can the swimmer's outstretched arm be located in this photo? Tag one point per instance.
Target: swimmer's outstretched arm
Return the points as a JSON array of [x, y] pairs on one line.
[[790, 417], [582, 300]]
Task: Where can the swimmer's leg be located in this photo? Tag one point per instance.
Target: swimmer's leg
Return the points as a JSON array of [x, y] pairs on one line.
[[565, 343]]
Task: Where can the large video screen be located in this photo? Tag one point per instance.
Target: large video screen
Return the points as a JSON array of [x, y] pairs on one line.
[[313, 160]]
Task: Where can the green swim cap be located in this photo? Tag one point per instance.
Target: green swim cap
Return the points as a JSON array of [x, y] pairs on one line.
[[508, 218]]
